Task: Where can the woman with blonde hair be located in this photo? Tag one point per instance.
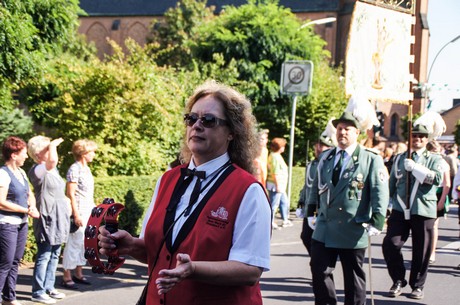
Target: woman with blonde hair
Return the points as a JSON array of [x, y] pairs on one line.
[[51, 230], [206, 235], [80, 190]]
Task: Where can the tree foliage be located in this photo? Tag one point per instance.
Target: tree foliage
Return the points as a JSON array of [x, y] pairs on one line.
[[31, 31], [127, 104], [15, 122], [173, 37], [257, 38]]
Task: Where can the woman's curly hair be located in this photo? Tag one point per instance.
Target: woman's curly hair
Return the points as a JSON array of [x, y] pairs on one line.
[[241, 122]]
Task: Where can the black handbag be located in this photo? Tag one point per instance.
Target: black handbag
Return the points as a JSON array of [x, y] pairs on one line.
[[73, 226]]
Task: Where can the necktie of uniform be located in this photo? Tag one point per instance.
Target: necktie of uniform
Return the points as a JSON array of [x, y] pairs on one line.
[[196, 188], [187, 177], [338, 168]]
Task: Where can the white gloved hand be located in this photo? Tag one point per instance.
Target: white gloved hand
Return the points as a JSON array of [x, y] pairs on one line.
[[312, 222], [299, 213], [371, 230], [409, 164]]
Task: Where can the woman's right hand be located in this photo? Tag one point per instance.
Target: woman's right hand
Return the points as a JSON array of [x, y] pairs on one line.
[[110, 243], [78, 221]]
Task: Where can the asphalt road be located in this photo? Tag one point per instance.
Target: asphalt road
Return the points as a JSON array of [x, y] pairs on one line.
[[289, 280]]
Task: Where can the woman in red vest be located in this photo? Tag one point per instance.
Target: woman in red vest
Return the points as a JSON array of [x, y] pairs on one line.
[[206, 234]]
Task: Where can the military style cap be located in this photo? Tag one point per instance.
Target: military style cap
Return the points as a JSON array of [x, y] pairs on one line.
[[325, 140], [347, 117], [420, 129]]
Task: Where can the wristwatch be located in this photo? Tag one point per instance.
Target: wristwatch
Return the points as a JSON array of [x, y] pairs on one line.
[[104, 214]]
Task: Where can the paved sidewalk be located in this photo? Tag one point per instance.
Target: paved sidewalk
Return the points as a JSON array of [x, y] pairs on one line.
[[289, 280]]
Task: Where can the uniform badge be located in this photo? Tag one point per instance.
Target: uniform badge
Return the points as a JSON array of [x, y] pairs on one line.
[[218, 218], [383, 175]]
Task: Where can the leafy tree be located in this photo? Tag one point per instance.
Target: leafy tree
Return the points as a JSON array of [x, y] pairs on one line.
[[16, 123], [127, 104], [257, 38], [457, 133], [172, 38], [31, 31]]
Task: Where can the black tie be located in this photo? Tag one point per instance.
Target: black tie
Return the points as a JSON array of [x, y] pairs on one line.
[[337, 169], [197, 187], [185, 180]]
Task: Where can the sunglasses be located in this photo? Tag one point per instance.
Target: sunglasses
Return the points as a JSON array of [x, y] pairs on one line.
[[207, 120], [417, 135]]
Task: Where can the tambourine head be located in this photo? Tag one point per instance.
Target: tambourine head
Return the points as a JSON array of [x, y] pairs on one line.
[[104, 214]]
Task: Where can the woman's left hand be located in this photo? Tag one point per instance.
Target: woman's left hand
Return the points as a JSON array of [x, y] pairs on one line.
[[170, 277], [33, 212]]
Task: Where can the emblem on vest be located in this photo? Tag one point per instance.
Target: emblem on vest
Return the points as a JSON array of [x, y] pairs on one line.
[[218, 218]]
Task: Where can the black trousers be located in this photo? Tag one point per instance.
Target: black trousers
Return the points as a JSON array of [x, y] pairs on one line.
[[398, 231], [306, 234], [322, 263]]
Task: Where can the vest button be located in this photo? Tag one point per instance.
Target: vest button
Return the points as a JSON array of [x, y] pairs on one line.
[[168, 257]]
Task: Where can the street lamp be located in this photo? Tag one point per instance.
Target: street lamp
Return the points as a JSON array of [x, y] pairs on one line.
[[318, 21], [426, 89], [437, 54]]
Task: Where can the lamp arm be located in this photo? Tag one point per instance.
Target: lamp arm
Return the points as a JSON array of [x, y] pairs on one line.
[[437, 54]]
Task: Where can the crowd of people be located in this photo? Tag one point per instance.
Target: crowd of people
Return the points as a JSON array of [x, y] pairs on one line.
[[51, 202], [353, 191], [206, 233]]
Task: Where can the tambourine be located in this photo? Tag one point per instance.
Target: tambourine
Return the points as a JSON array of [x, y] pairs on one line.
[[105, 213]]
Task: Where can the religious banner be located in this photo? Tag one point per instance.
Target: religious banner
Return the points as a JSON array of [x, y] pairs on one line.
[[379, 54]]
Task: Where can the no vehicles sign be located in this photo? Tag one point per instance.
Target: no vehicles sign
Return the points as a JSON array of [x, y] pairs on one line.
[[296, 77]]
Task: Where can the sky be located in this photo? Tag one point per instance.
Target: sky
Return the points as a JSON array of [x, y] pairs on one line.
[[444, 24]]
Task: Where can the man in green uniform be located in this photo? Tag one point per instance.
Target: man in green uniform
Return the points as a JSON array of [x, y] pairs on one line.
[[324, 143], [351, 188], [425, 176]]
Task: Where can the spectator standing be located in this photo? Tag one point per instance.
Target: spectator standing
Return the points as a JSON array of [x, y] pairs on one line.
[[452, 159], [51, 229], [351, 189], [277, 181], [425, 171], [260, 162], [211, 247], [80, 190], [16, 203], [442, 193], [455, 194]]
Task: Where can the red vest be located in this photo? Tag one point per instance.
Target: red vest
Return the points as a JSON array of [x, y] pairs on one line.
[[210, 239]]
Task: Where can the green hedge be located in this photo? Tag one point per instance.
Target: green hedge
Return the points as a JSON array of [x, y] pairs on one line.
[[135, 193]]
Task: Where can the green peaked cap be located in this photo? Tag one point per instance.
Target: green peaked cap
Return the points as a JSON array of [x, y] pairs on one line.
[[347, 117], [420, 129]]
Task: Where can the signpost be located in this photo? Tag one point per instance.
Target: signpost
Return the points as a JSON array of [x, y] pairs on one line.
[[296, 78]]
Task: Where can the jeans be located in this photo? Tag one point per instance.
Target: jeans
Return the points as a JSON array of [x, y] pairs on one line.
[[281, 200], [45, 268], [12, 244]]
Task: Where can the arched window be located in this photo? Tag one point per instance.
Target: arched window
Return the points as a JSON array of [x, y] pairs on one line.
[[394, 125]]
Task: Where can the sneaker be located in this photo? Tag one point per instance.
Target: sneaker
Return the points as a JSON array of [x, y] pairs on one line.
[[287, 223], [275, 226], [44, 299], [417, 294], [14, 302], [56, 294]]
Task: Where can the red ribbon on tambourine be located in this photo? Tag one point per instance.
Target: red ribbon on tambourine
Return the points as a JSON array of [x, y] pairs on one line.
[[105, 213]]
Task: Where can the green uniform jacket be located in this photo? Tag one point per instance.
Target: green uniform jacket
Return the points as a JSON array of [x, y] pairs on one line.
[[424, 198], [310, 173], [361, 191]]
